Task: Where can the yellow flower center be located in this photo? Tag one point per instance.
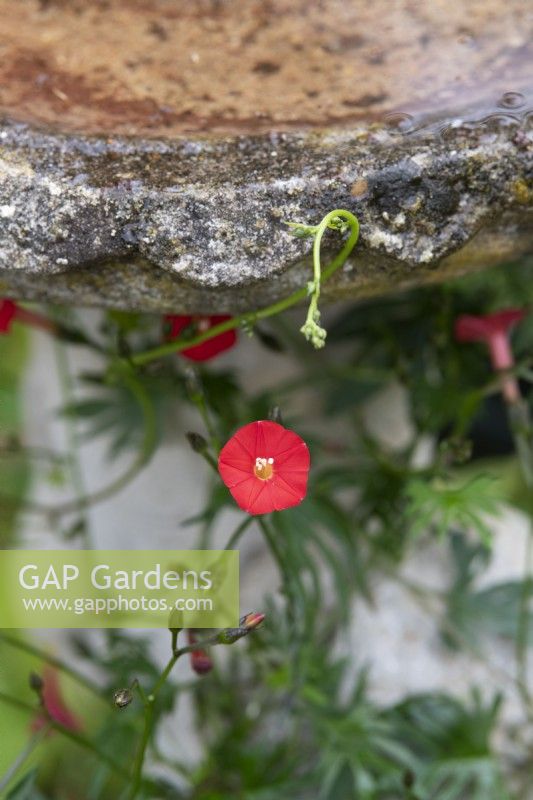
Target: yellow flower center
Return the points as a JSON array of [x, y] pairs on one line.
[[264, 468]]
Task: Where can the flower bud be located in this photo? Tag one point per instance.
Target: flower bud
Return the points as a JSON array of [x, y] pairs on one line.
[[408, 779], [201, 661], [274, 414], [252, 621], [197, 442], [36, 683], [247, 624], [230, 635], [193, 384], [494, 330], [172, 627], [123, 698]]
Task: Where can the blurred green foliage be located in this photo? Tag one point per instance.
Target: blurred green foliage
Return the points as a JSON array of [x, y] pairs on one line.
[[283, 715], [14, 472]]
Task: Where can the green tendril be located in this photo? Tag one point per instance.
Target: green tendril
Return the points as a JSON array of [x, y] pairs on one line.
[[339, 220]]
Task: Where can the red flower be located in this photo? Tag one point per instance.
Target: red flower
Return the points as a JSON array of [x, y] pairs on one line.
[[8, 312], [200, 659], [265, 467], [208, 349], [55, 706], [493, 329]]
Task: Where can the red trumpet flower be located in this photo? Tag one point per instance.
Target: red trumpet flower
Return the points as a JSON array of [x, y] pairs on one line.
[[54, 704], [208, 349], [493, 329], [8, 311], [265, 467]]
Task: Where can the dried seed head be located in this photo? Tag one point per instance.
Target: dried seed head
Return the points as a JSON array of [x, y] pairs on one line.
[[123, 698]]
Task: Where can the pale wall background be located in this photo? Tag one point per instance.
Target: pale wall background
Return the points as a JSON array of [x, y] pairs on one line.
[[398, 638]]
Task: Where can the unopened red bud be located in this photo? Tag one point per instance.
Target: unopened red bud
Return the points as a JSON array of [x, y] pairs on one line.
[[247, 624], [252, 621], [201, 661]]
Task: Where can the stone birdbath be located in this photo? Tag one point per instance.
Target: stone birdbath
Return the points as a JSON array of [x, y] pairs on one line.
[[151, 151]]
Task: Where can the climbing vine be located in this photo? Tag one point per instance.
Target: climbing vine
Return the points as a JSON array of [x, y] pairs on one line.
[[284, 705]]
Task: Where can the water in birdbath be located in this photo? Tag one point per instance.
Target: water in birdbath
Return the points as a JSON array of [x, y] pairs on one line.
[[159, 68]]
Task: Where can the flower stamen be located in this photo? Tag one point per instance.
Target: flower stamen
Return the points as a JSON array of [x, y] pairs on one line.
[[264, 468]]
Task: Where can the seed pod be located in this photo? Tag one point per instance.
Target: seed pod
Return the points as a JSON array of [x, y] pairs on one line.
[[123, 698]]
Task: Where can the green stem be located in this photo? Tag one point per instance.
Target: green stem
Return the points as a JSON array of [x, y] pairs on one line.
[[177, 345], [201, 405], [273, 545], [175, 765], [17, 450], [73, 461], [520, 423], [149, 706], [522, 636], [292, 584], [296, 600], [238, 532], [311, 328], [75, 737], [210, 460], [197, 396], [150, 699], [166, 672], [141, 753], [53, 661], [32, 745], [209, 641], [522, 430]]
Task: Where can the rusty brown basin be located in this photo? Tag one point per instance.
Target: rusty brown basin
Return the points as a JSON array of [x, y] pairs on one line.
[[170, 67]]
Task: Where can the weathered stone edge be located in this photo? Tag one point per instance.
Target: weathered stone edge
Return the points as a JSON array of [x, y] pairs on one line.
[[197, 224]]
